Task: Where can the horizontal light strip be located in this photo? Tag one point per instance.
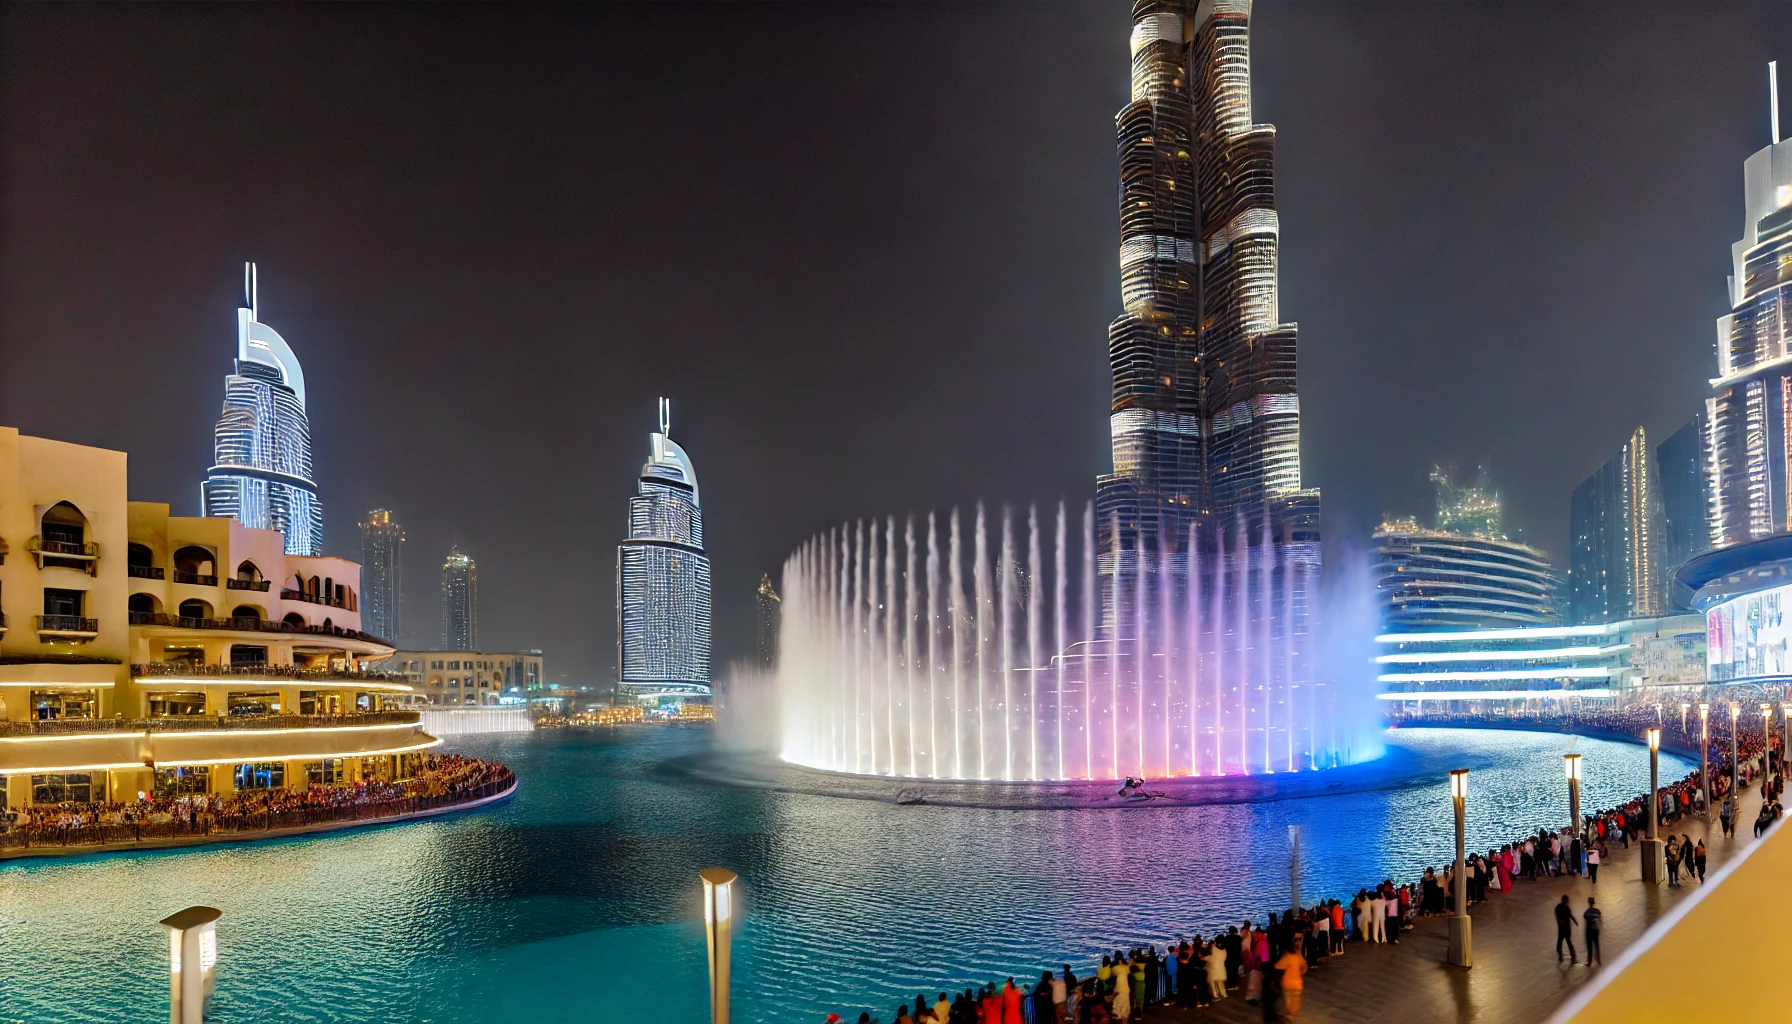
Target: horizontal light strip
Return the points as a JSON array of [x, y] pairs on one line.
[[1519, 633], [1592, 672], [56, 686], [335, 755], [210, 733], [157, 682], [1497, 694], [1553, 652], [72, 736]]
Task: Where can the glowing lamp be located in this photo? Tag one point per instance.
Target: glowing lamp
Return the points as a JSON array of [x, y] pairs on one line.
[[1654, 738], [192, 962], [1571, 764], [1459, 783], [718, 922]]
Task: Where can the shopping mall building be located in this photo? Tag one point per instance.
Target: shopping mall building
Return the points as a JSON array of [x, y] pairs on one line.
[[147, 653]]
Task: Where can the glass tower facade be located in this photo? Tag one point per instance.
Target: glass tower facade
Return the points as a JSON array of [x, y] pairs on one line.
[[1205, 420], [261, 474], [382, 574], [1748, 445], [1619, 534], [662, 578], [460, 602], [1680, 461]]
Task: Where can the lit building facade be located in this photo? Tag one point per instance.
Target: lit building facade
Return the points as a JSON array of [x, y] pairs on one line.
[[1619, 532], [1205, 418], [770, 608], [1680, 461], [261, 474], [460, 601], [1750, 408], [207, 658], [1463, 573], [482, 678], [382, 574], [662, 580]]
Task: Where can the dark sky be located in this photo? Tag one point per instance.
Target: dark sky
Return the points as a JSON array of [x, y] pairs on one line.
[[869, 251]]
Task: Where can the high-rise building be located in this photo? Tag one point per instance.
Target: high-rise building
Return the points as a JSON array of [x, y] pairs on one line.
[[261, 474], [769, 607], [1615, 562], [382, 574], [1748, 443], [1463, 573], [460, 601], [662, 579], [1205, 419], [1680, 462]]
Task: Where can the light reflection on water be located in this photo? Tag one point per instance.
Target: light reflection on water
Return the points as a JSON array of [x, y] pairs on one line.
[[578, 900]]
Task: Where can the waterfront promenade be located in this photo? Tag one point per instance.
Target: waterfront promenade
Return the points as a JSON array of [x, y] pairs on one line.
[[1515, 979]]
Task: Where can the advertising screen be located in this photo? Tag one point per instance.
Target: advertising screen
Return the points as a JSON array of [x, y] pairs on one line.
[[1747, 637]]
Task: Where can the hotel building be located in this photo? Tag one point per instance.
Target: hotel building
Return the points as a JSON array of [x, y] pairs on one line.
[[144, 652], [481, 678], [1463, 573], [460, 601], [382, 574], [662, 581], [261, 474], [1619, 540]]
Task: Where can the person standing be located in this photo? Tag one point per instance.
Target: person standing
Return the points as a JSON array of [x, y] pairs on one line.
[[1292, 967], [1122, 995], [1726, 816], [942, 1010], [1378, 912], [1151, 975], [1698, 859], [1594, 920], [1565, 922], [1593, 863], [1216, 972], [1011, 997], [1673, 854]]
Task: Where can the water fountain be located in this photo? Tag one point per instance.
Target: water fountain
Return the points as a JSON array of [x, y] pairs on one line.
[[1190, 658]]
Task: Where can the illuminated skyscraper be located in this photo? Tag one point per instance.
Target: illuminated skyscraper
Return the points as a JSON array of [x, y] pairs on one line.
[[261, 474], [662, 579], [460, 602], [1681, 461], [1748, 442], [1205, 419], [382, 574], [769, 608], [1619, 533]]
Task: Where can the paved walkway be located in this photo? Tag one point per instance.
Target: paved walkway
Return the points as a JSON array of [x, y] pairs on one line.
[[1516, 979]]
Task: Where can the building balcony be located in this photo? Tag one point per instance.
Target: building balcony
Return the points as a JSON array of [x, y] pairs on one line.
[[204, 723], [300, 595], [257, 585], [67, 627], [194, 578], [148, 674], [248, 625], [69, 554], [146, 572]]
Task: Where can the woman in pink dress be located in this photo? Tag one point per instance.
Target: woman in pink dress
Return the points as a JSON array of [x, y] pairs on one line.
[[1505, 869]]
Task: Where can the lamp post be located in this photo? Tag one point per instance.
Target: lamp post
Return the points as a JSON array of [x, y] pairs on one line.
[[1684, 708], [1654, 860], [1704, 753], [1735, 716], [193, 962], [1461, 953], [1766, 737], [718, 922], [1571, 765]]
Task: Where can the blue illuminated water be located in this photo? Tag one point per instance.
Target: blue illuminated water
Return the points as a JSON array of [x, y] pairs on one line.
[[577, 901]]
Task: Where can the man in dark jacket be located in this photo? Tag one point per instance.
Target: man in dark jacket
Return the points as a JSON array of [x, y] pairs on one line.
[[1565, 922]]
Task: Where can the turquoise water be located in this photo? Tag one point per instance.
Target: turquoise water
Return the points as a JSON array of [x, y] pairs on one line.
[[577, 901]]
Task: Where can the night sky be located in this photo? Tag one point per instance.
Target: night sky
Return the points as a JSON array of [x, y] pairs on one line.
[[868, 250]]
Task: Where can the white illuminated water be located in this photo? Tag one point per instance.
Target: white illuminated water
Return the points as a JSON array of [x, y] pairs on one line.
[[980, 650]]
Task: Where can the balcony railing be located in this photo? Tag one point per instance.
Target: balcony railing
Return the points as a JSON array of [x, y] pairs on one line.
[[288, 594], [49, 551], [68, 625], [146, 572], [151, 670], [235, 584], [203, 723], [254, 625], [182, 576]]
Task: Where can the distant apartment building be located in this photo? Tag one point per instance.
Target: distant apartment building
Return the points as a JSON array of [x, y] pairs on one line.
[[1616, 557], [472, 677], [1680, 462], [460, 601], [769, 607], [382, 574]]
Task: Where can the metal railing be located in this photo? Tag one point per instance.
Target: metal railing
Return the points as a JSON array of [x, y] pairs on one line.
[[288, 594], [203, 723], [183, 576], [236, 584], [146, 572], [236, 823], [255, 625], [77, 548], [67, 624], [150, 670]]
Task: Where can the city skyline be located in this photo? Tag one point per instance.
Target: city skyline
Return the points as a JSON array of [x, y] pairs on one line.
[[358, 321]]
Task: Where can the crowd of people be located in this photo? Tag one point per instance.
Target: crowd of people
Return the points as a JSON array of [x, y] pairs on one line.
[[1267, 964], [441, 778]]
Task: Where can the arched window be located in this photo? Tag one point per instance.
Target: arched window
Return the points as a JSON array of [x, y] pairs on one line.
[[248, 572], [294, 619], [62, 538], [143, 607], [141, 557], [193, 608], [194, 564], [246, 611]]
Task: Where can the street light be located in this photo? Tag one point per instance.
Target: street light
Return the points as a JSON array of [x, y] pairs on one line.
[[718, 923], [1735, 716], [192, 962], [1704, 752], [1684, 708], [1654, 862], [1461, 953], [1571, 765]]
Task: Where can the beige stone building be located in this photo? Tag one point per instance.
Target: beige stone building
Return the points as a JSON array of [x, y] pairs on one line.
[[471, 677], [144, 652]]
